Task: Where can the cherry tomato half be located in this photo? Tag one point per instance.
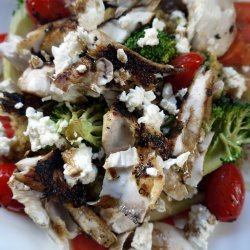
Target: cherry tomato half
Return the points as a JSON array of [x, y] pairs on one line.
[[6, 170], [239, 52], [225, 193], [2, 37], [81, 242], [188, 65], [45, 11]]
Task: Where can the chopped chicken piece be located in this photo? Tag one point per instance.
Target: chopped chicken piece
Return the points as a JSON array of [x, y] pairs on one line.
[[10, 51], [78, 166], [123, 129], [92, 225], [168, 237], [205, 31], [143, 237], [193, 111], [200, 225], [32, 201], [118, 221]]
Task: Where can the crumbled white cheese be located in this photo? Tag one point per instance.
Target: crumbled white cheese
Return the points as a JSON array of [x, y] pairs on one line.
[[121, 56], [99, 155], [80, 167], [158, 24], [201, 224], [179, 161], [235, 81], [152, 116], [122, 159], [136, 98], [182, 42], [150, 38], [169, 102], [67, 53], [5, 142], [81, 69], [152, 171], [143, 237], [41, 130], [18, 105], [92, 14]]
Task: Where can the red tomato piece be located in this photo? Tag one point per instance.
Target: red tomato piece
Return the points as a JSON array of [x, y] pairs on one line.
[[188, 65], [239, 52], [5, 121], [6, 170], [81, 242], [168, 220], [2, 37], [45, 11], [225, 193]]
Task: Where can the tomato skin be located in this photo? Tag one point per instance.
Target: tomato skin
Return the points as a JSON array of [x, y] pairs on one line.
[[239, 52], [45, 11], [81, 242], [188, 65], [5, 121], [6, 170], [2, 37], [225, 193]]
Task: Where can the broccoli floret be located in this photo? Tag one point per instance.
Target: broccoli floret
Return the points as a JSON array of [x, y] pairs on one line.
[[161, 53], [61, 115], [87, 125], [231, 126]]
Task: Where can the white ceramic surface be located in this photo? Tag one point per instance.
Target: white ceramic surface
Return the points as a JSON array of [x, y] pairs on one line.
[[19, 233]]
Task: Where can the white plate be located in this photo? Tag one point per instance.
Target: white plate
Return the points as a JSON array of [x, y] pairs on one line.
[[18, 232]]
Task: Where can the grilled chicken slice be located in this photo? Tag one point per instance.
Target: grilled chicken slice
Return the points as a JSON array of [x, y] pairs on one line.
[[143, 72], [32, 201], [92, 225], [217, 38], [114, 123], [48, 35], [193, 112], [168, 237]]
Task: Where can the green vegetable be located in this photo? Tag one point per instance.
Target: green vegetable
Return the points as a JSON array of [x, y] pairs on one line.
[[175, 207], [161, 53], [86, 124], [61, 115], [231, 125], [20, 25]]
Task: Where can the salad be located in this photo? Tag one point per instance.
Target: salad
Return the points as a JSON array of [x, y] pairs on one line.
[[117, 118]]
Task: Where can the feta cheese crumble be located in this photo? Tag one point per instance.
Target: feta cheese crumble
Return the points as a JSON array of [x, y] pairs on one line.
[[18, 105], [234, 81], [81, 69], [41, 130], [150, 38], [136, 98], [182, 42], [78, 165], [169, 102], [179, 161], [152, 116], [158, 24], [200, 225], [121, 56], [152, 171], [122, 159]]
